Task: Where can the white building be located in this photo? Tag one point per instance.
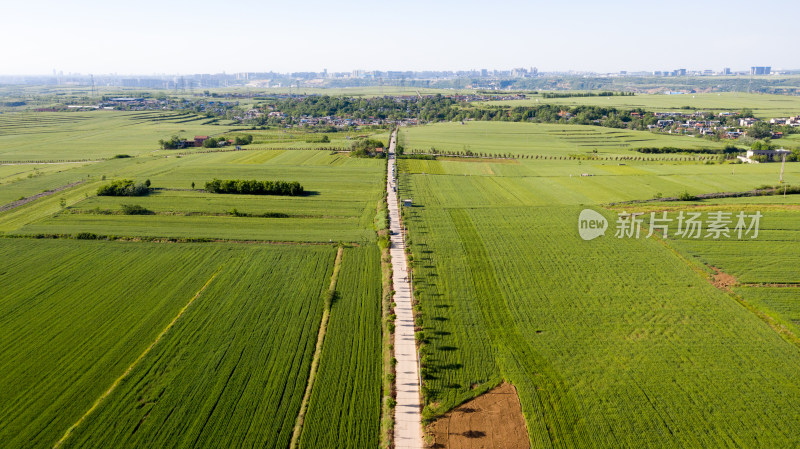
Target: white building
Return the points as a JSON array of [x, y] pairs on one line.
[[774, 155]]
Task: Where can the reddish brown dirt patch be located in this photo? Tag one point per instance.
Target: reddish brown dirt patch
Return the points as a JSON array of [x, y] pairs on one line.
[[723, 280], [492, 420]]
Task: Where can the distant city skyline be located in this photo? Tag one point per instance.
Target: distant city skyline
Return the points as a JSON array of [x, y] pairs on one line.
[[477, 72], [191, 37]]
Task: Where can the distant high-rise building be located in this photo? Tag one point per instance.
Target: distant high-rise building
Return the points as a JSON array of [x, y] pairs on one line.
[[760, 70], [726, 71]]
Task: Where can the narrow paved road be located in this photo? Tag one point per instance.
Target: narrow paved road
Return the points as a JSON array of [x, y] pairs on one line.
[[407, 418]]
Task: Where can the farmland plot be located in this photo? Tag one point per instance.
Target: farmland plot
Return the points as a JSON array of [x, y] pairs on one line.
[[91, 135], [233, 369], [339, 204], [780, 302], [344, 410], [772, 257], [610, 343], [538, 139], [74, 315]]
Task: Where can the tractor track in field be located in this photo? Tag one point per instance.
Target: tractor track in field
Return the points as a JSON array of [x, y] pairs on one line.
[[135, 362], [323, 328], [23, 201]]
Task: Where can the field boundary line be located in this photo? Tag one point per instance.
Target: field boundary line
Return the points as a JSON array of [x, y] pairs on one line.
[[135, 362], [387, 348], [177, 240], [323, 328], [770, 284]]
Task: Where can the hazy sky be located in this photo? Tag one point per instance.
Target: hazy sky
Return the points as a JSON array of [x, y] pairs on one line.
[[200, 36]]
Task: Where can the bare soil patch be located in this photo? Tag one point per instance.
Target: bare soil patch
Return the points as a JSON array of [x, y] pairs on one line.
[[723, 280], [492, 420]]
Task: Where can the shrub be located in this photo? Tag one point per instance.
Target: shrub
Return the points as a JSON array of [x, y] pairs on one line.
[[121, 156], [86, 236], [686, 196], [274, 215], [135, 209]]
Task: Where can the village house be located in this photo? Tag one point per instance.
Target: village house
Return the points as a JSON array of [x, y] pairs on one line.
[[747, 121], [665, 123]]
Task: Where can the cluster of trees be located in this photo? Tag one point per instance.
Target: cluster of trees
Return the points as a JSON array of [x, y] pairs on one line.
[[173, 143], [254, 187], [763, 145], [213, 142], [438, 108], [243, 140], [367, 148], [432, 108], [176, 142], [760, 130], [124, 187], [670, 150]]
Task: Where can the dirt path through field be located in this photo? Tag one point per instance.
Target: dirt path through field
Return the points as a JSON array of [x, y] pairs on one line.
[[407, 416], [492, 420]]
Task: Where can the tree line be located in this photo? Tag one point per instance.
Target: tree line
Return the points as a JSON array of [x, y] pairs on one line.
[[671, 150]]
